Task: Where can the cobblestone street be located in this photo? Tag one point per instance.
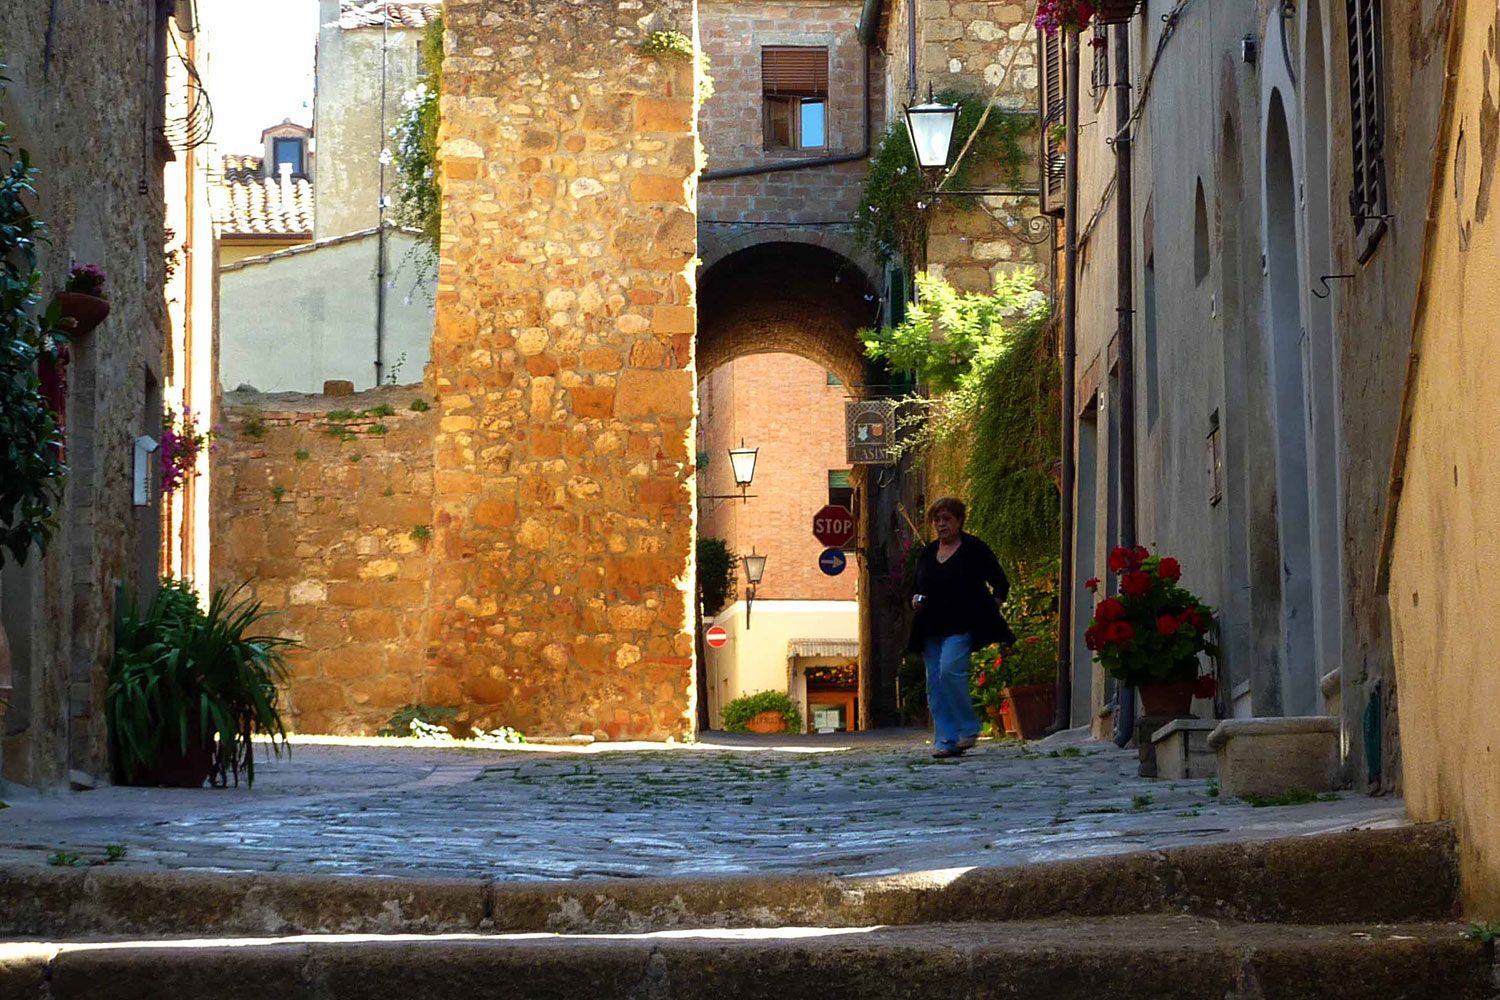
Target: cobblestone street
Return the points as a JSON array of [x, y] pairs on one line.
[[872, 804]]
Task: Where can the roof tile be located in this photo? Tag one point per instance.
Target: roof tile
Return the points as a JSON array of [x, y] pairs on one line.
[[371, 13], [256, 205]]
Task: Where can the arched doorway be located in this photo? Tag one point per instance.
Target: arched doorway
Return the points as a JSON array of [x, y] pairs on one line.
[[779, 354], [1285, 327]]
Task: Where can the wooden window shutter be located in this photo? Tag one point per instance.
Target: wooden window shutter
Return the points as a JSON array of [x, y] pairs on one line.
[[794, 72], [1367, 194], [1054, 110]]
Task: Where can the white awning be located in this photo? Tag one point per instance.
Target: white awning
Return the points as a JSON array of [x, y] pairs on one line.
[[796, 648]]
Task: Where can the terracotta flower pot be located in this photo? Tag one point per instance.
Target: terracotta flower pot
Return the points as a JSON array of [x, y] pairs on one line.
[[86, 311], [1173, 698], [767, 722], [1034, 706], [1116, 11]]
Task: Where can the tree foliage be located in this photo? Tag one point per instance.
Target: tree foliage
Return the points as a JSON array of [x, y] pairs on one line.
[[31, 469], [715, 575]]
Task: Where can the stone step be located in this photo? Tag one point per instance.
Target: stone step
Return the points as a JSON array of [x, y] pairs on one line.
[[1123, 958], [1388, 876]]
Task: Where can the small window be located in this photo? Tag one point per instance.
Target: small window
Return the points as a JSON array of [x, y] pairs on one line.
[[840, 489], [1367, 195], [290, 151], [1054, 112], [1099, 74], [1201, 257], [794, 83], [1215, 458]]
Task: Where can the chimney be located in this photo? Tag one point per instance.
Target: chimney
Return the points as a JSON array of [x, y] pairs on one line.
[[288, 191]]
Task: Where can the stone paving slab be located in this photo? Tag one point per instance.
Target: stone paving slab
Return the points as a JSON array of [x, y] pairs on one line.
[[864, 805]]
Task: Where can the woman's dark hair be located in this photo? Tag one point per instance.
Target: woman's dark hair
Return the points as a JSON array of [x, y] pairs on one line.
[[952, 505]]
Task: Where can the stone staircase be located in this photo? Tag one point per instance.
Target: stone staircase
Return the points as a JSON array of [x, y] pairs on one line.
[[1369, 914]]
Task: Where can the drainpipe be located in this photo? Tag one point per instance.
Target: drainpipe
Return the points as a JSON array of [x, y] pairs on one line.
[[385, 55], [1069, 392], [865, 37], [1125, 338]]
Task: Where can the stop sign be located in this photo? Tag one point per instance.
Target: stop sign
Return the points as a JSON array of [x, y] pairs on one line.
[[834, 526], [716, 637]]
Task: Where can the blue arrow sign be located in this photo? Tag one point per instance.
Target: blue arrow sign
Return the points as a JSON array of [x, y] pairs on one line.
[[832, 562]]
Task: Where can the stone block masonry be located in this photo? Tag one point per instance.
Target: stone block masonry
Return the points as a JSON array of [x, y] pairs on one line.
[[563, 370]]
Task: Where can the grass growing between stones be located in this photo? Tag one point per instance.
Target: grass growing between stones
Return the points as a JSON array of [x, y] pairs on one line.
[[1294, 797]]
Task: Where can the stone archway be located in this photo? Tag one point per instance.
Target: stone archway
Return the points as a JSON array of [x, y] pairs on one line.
[[786, 297]]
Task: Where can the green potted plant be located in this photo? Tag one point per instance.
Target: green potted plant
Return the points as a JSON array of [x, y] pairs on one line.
[[82, 299], [763, 712], [189, 687], [1151, 636]]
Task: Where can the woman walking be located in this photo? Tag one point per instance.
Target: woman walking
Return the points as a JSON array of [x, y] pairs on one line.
[[959, 589]]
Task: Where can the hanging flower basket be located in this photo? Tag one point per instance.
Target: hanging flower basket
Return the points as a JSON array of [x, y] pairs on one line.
[[1053, 16], [1116, 11], [82, 299], [84, 311]]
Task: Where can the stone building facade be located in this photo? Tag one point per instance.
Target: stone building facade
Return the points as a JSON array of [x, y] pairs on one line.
[[78, 87]]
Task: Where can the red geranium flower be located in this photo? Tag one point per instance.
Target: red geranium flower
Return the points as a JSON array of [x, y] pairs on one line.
[[1138, 555], [1093, 584], [1119, 560], [1136, 583], [1169, 569], [1109, 609], [1168, 624], [1091, 639], [998, 660], [1193, 618], [980, 680], [1205, 686], [1119, 632]]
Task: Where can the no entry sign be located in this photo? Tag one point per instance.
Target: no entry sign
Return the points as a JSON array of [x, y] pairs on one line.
[[716, 637], [834, 526]]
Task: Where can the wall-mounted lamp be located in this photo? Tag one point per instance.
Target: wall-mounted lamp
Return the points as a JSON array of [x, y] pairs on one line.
[[742, 465], [930, 127], [755, 568]]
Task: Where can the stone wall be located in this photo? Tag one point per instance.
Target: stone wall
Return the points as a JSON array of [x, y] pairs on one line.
[[323, 505], [563, 368], [78, 88]]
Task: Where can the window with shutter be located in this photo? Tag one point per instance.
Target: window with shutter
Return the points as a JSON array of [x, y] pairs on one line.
[[794, 83], [1367, 195], [1054, 109]]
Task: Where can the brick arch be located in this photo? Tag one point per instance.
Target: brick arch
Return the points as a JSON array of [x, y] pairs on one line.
[[717, 241], [795, 297]]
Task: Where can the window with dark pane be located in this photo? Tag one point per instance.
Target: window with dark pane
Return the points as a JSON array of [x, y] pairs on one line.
[[1367, 194], [291, 152], [794, 82], [1054, 109]]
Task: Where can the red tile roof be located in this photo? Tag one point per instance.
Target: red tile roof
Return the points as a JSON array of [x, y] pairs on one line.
[[371, 13], [252, 204]]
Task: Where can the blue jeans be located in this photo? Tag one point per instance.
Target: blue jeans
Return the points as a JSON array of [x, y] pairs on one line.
[[953, 717]]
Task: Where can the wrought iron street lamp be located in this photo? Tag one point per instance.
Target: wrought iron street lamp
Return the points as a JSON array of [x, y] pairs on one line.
[[755, 568], [930, 127], [742, 465]]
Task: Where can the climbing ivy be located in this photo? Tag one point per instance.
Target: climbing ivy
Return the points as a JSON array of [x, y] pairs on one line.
[[419, 205], [990, 361], [894, 206]]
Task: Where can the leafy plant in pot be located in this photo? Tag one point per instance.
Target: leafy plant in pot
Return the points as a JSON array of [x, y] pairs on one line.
[[1152, 635], [189, 687], [763, 712]]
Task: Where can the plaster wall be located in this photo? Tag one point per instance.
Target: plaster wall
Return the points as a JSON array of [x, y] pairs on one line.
[[755, 658], [361, 75], [291, 321], [1445, 545]]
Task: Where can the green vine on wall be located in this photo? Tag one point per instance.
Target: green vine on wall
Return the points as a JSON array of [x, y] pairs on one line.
[[31, 469], [419, 204], [991, 363], [895, 204], [715, 575]]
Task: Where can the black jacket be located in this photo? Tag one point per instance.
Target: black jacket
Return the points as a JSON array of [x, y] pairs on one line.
[[961, 595]]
